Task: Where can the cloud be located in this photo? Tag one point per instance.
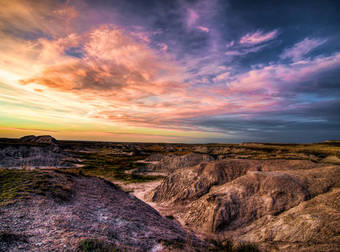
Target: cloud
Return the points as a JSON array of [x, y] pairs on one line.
[[111, 60], [203, 28], [222, 76], [198, 14], [250, 43], [283, 76], [192, 18], [244, 50], [302, 48], [258, 37], [288, 124], [52, 17], [230, 44], [163, 46]]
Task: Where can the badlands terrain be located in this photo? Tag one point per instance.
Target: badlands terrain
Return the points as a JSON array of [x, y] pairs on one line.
[[100, 196]]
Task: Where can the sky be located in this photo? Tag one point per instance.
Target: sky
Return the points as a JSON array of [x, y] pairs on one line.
[[171, 71]]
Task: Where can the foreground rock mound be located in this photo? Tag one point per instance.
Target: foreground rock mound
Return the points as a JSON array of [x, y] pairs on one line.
[[84, 209]]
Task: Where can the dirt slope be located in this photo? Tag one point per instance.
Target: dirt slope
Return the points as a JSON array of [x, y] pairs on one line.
[[84, 208]]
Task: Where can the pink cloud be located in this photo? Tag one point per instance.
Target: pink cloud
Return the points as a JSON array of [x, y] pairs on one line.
[[258, 37], [50, 17], [203, 28], [222, 76], [302, 48], [230, 44], [270, 80], [244, 51], [198, 14], [112, 60], [192, 17], [163, 46]]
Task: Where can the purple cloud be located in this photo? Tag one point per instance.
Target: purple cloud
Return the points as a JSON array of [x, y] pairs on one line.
[[258, 37], [302, 48]]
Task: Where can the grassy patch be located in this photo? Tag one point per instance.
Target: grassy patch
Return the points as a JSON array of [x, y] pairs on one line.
[[228, 246], [112, 166], [173, 244], [9, 238], [94, 245], [15, 184]]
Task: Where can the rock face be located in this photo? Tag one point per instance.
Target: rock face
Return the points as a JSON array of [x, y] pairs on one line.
[[310, 226], [169, 163], [246, 199], [250, 197], [193, 182], [95, 209], [33, 152]]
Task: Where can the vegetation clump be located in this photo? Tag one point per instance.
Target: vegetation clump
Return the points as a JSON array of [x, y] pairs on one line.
[[94, 245], [229, 246], [19, 184], [7, 239], [109, 166]]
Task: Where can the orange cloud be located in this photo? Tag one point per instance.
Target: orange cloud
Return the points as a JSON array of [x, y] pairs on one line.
[[112, 60], [47, 16]]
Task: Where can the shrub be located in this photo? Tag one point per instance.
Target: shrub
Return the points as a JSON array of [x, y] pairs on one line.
[[228, 246], [93, 245], [247, 247]]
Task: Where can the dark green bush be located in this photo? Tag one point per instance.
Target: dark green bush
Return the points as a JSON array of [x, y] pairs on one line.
[[93, 245]]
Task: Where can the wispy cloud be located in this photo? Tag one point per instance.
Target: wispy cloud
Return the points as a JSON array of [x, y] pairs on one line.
[[203, 28], [192, 17], [258, 37], [302, 48], [244, 50]]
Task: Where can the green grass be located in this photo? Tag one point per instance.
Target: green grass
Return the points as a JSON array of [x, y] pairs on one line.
[[18, 184], [110, 166]]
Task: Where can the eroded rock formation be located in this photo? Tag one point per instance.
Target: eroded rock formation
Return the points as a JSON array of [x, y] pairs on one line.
[[252, 200], [169, 163]]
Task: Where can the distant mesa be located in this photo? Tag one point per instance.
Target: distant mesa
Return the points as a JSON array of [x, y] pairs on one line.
[[46, 139]]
